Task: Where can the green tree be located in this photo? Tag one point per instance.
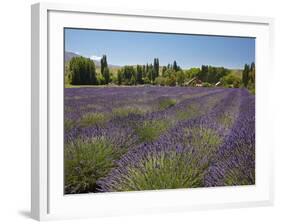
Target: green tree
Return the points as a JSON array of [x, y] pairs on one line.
[[156, 67], [171, 81], [192, 72], [119, 77], [139, 74], [180, 76], [245, 75], [127, 75], [253, 72], [162, 81], [82, 71], [231, 80], [103, 63], [175, 66], [106, 75], [104, 69], [163, 70], [203, 73]]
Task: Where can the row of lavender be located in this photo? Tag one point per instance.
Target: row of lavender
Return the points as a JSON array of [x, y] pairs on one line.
[[144, 138]]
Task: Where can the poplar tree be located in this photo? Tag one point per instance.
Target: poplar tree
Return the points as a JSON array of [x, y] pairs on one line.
[[245, 75]]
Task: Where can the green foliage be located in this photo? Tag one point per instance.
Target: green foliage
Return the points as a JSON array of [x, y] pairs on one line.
[[206, 84], [69, 124], [190, 112], [140, 74], [248, 77], [170, 76], [85, 161], [105, 70], [204, 140], [226, 120], [166, 103], [171, 81], [212, 74], [150, 130], [245, 75], [82, 71], [100, 79], [114, 79], [103, 63], [252, 73], [175, 66], [119, 77], [146, 80], [162, 81], [168, 73], [192, 72], [106, 75], [164, 70], [127, 75], [251, 88], [125, 111], [237, 176], [231, 80], [91, 119], [164, 170], [155, 72], [180, 76], [67, 74]]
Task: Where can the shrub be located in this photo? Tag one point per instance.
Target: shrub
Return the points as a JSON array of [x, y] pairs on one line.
[[171, 81], [161, 81], [166, 103], [85, 161], [68, 124], [163, 170], [206, 84], [204, 140], [231, 80], [191, 111], [151, 130]]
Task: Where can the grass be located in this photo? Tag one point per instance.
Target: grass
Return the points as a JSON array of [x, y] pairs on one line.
[[166, 103], [125, 111], [150, 130], [162, 171], [91, 119], [69, 124], [85, 162], [190, 112]]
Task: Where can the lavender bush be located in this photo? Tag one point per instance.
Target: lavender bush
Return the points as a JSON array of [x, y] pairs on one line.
[[145, 138]]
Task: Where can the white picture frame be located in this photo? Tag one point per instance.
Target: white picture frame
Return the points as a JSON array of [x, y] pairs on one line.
[[47, 198]]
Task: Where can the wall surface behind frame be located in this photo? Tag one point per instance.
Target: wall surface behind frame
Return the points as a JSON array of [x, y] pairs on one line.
[[15, 111]]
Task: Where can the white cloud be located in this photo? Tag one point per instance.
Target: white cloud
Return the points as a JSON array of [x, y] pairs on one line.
[[95, 57]]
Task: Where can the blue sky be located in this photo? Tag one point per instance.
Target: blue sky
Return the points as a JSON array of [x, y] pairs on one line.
[[131, 48]]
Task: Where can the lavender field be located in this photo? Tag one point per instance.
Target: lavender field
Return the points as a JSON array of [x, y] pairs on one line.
[[149, 137]]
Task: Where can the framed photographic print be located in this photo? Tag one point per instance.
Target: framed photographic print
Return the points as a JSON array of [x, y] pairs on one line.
[[145, 111]]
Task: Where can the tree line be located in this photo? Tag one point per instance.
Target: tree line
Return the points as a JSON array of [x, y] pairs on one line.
[[83, 71], [248, 76]]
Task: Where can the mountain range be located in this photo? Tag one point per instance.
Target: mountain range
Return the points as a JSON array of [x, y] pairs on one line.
[[69, 55]]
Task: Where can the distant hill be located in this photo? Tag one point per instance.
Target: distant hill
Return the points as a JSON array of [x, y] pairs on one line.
[[236, 72], [69, 55]]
